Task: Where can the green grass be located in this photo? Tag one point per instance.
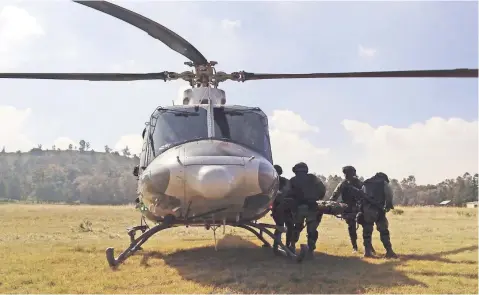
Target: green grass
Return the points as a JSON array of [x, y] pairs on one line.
[[61, 249]]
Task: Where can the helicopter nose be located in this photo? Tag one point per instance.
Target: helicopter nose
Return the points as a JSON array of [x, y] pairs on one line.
[[214, 181]]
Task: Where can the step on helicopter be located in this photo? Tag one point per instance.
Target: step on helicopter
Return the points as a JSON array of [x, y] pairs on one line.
[[204, 162]]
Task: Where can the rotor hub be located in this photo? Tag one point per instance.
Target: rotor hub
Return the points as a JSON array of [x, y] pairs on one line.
[[205, 75]]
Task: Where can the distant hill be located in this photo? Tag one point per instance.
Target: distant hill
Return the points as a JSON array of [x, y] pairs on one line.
[[68, 176], [106, 178]]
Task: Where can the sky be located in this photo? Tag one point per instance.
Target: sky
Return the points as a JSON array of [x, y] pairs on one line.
[[422, 127]]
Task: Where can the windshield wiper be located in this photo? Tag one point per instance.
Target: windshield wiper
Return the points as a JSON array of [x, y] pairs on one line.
[[186, 114], [234, 113], [180, 112]]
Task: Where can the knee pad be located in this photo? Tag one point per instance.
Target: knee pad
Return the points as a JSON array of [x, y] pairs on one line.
[[384, 233], [382, 227], [367, 230], [298, 227]]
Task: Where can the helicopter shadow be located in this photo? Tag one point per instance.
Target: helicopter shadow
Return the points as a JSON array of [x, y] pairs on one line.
[[242, 266]]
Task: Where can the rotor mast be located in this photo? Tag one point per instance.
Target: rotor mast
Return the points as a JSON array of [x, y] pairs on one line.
[[204, 85]]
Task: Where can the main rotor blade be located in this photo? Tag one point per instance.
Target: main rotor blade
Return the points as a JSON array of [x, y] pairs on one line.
[[453, 73], [154, 29], [85, 76]]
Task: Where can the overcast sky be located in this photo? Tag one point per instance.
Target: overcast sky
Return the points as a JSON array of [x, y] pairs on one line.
[[425, 127]]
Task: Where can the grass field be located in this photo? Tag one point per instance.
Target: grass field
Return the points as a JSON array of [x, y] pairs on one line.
[[43, 249]]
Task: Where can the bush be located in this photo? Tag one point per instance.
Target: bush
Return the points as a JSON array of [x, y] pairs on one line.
[[397, 211], [467, 214], [85, 226]]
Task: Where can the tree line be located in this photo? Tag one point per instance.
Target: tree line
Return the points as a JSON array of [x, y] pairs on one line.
[[461, 190], [79, 174], [82, 147]]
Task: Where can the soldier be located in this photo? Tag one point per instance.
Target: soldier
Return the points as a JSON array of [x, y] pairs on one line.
[[348, 189], [376, 202], [280, 212], [306, 189]]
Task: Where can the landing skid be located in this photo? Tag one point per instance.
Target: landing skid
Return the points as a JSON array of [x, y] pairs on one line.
[[256, 228], [281, 249], [135, 244]]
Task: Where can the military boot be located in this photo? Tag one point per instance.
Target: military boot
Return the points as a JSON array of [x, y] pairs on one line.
[[277, 238], [355, 246], [368, 251], [311, 253], [292, 247], [311, 248], [390, 253]]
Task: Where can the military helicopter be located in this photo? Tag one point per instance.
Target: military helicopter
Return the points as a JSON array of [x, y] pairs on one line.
[[206, 163]]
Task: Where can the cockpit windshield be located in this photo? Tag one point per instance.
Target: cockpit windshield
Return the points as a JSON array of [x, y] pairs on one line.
[[246, 126], [173, 126]]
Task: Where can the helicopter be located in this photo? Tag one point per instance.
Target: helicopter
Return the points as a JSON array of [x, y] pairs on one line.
[[205, 162]]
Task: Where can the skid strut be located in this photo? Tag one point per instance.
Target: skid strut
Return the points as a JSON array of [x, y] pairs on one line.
[[281, 249], [135, 244], [132, 233]]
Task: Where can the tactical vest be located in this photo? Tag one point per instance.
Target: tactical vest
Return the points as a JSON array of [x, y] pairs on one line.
[[281, 193], [307, 187], [375, 190], [282, 182], [349, 194]]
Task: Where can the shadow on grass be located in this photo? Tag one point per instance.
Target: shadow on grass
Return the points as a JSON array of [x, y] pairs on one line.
[[439, 257], [241, 266]]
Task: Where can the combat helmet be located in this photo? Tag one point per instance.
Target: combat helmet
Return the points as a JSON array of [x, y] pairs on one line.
[[278, 169], [300, 167], [382, 176], [349, 170]]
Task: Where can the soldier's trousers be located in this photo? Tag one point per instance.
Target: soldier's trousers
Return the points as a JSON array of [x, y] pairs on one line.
[[312, 219], [382, 226], [283, 219], [351, 222]]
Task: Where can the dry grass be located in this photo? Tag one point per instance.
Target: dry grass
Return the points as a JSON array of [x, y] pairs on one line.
[[61, 249]]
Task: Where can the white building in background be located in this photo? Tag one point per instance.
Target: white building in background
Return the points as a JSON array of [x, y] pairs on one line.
[[471, 204], [445, 203]]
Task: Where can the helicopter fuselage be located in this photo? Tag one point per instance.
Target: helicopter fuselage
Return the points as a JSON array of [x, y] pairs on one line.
[[203, 176], [209, 164]]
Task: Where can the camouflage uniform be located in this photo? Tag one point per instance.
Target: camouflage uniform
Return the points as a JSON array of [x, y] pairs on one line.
[[280, 210], [379, 192], [306, 189], [349, 196]]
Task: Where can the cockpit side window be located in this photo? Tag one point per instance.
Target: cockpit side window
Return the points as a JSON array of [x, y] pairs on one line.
[[245, 126], [143, 154], [174, 126], [145, 150]]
